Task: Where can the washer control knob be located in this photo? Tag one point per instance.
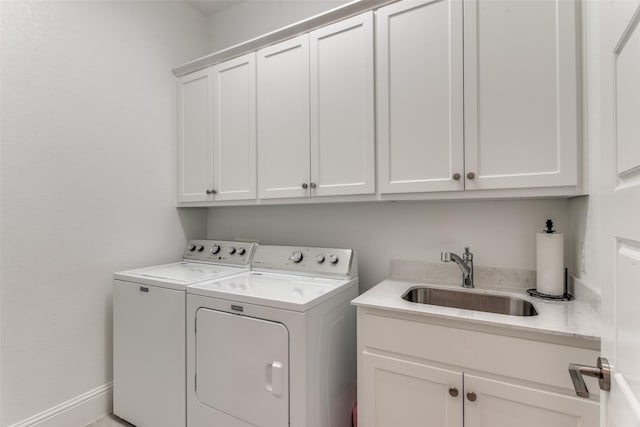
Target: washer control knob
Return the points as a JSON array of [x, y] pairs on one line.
[[241, 251], [191, 247], [333, 259], [200, 248], [319, 258], [296, 256], [231, 250], [215, 249]]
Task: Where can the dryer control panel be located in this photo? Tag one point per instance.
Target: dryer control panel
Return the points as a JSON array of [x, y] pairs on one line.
[[220, 252], [307, 261]]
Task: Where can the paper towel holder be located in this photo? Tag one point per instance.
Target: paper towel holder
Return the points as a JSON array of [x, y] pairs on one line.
[[566, 296]]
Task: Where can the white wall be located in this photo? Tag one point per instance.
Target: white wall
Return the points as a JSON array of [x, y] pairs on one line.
[[500, 233], [253, 18], [88, 177]]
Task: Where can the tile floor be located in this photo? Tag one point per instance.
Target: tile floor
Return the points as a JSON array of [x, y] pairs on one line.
[[110, 421]]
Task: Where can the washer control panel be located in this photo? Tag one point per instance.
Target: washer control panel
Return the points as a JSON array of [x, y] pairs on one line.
[[311, 261], [220, 252]]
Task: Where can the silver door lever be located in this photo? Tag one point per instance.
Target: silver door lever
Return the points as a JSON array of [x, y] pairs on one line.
[[602, 372]]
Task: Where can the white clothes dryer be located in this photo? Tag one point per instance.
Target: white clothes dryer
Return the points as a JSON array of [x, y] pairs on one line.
[[149, 316], [275, 346]]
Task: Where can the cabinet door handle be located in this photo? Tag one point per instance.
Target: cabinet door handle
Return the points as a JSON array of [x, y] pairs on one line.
[[471, 396], [313, 185], [453, 392], [471, 175], [211, 192], [305, 185], [456, 176]]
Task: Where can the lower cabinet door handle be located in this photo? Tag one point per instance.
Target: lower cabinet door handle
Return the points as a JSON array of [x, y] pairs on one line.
[[453, 392], [471, 396]]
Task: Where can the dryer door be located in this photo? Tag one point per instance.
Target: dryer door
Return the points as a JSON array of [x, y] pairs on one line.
[[242, 368]]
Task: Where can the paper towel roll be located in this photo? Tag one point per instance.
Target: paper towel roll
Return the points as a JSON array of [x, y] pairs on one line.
[[550, 263]]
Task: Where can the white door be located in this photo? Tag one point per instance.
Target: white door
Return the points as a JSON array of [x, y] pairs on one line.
[[234, 129], [283, 119], [521, 84], [620, 139], [403, 393], [194, 137], [242, 368], [419, 96], [342, 125], [491, 403]]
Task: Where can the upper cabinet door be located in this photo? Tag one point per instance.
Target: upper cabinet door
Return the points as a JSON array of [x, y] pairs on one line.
[[342, 109], [521, 82], [234, 129], [194, 137], [283, 119], [419, 96]]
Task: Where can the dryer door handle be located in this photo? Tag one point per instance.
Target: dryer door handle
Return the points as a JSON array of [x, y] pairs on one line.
[[274, 378]]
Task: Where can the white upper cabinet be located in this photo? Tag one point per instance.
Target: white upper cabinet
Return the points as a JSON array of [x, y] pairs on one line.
[[521, 93], [342, 108], [420, 96], [217, 133], [439, 96], [283, 119], [234, 129], [194, 137], [315, 113]]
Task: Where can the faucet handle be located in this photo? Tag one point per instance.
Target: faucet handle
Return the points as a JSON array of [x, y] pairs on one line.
[[468, 256], [445, 256]]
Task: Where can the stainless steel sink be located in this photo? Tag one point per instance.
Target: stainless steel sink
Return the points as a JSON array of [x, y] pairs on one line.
[[471, 301]]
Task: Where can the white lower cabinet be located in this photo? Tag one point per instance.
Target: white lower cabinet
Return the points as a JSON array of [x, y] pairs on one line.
[[412, 373], [409, 394], [496, 403]]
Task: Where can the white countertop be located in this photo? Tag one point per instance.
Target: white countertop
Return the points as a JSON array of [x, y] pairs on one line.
[[576, 319]]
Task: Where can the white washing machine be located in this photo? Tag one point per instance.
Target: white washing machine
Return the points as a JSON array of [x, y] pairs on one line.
[[275, 346], [149, 316]]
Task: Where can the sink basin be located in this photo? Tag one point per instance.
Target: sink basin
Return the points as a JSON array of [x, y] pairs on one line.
[[471, 301]]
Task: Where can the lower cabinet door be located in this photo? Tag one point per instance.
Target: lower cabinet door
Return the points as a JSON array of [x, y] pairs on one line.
[[491, 403], [398, 392]]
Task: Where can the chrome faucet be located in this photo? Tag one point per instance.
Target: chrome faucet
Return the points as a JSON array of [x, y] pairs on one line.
[[465, 263]]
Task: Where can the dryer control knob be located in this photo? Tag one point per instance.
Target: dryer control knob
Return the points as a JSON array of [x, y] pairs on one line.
[[191, 247], [333, 259], [241, 251], [215, 249], [296, 256], [231, 250], [319, 258], [200, 248]]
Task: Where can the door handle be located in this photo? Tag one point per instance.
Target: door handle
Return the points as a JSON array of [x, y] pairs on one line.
[[602, 372], [274, 378]]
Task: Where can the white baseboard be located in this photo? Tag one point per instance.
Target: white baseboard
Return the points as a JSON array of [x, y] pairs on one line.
[[76, 412]]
